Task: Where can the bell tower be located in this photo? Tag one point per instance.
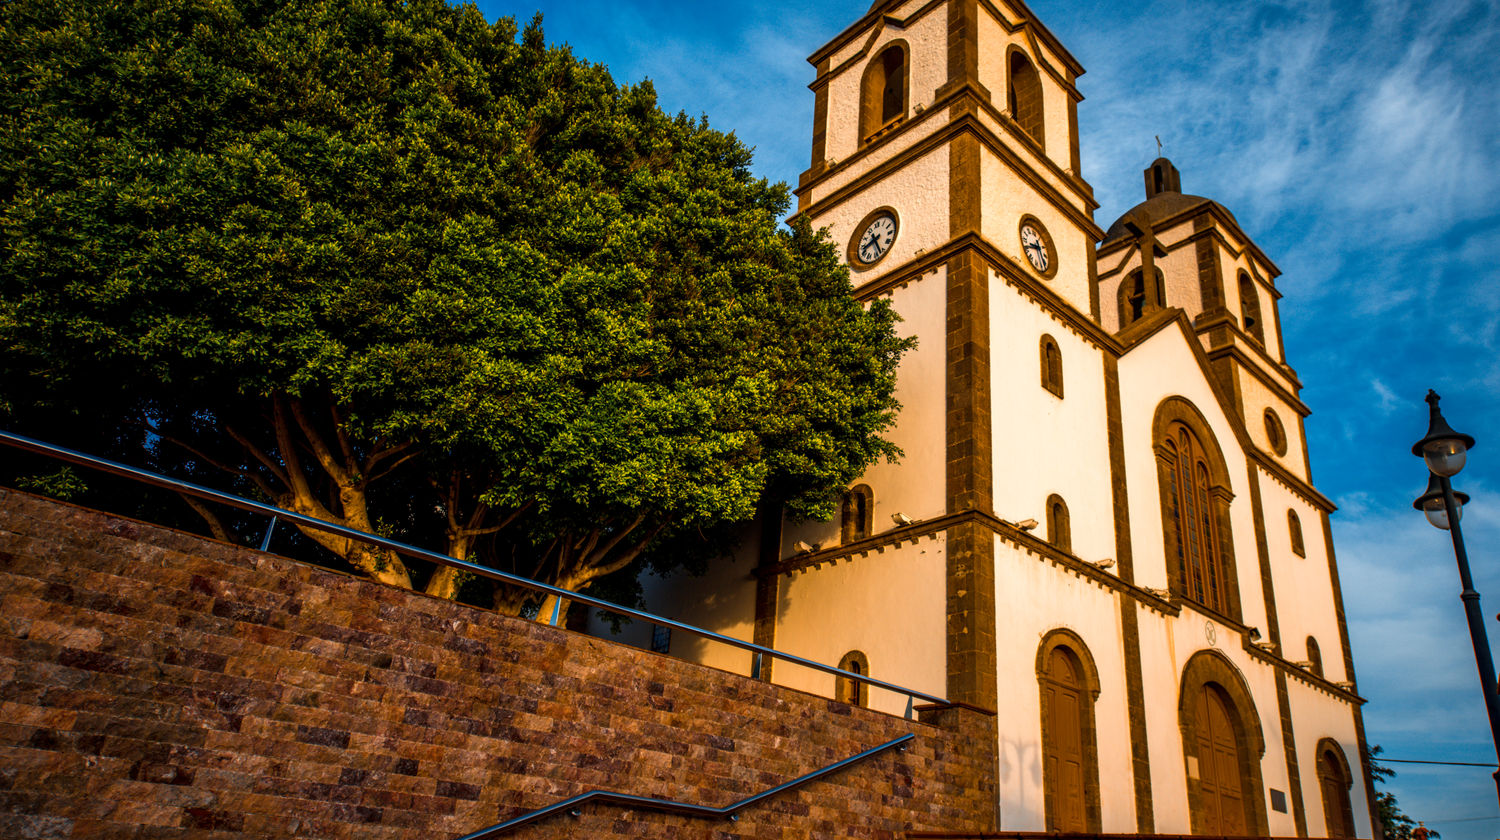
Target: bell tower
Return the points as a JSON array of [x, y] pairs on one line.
[[945, 164]]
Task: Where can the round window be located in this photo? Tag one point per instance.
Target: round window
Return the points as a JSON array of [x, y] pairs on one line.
[[1275, 433]]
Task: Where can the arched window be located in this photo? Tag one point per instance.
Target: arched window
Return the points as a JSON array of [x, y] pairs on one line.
[[1223, 745], [1069, 685], [1026, 96], [1052, 374], [883, 92], [1250, 308], [853, 692], [1132, 296], [1195, 499], [1294, 528], [857, 513], [1314, 656], [1059, 527], [1334, 779]]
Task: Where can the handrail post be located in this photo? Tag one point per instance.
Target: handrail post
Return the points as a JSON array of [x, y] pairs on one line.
[[265, 542]]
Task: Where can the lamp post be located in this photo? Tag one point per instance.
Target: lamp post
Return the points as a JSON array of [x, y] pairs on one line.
[[1445, 451]]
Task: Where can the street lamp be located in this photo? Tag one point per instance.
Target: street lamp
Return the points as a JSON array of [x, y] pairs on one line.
[[1445, 451]]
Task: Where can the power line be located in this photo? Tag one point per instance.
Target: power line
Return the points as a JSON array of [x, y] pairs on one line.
[[1468, 819], [1383, 759]]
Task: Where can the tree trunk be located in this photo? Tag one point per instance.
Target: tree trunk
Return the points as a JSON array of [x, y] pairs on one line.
[[446, 580], [550, 603]]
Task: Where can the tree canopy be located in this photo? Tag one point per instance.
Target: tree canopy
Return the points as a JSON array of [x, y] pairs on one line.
[[400, 268]]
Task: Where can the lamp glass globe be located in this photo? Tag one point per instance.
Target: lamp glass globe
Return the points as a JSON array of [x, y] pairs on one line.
[[1438, 515], [1445, 456]]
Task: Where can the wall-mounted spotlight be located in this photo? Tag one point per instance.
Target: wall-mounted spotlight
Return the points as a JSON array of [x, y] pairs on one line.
[[1164, 594], [1026, 524], [1345, 685], [1304, 665], [1254, 633], [804, 548], [1268, 647], [900, 518], [1106, 563]]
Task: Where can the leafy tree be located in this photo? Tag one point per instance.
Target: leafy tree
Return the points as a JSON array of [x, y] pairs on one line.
[[396, 267], [1395, 825]]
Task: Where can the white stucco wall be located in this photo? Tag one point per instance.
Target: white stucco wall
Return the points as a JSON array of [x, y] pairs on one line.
[[1043, 444], [1304, 590], [919, 195], [891, 605], [1256, 398], [1006, 199], [1033, 597], [1160, 367], [1319, 715]]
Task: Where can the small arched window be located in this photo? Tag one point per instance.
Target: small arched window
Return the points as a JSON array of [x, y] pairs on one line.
[[1314, 656], [1052, 373], [1250, 308], [1059, 527], [1294, 528], [857, 513], [1133, 296], [853, 692], [883, 92], [1026, 96]]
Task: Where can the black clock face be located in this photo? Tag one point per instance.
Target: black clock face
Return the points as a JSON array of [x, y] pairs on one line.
[[876, 240], [1035, 248]]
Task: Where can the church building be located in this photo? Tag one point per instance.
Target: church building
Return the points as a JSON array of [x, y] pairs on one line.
[[1104, 527]]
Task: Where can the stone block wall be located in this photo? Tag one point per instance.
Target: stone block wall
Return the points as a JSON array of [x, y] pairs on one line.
[[157, 684]]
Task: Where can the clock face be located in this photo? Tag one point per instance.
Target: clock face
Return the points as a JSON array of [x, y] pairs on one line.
[[1036, 248], [876, 240]]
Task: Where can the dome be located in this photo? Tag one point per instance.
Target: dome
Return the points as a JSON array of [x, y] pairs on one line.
[[1164, 200]]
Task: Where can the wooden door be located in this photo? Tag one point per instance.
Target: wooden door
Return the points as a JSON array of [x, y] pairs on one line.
[[1336, 808], [1063, 696], [1221, 785]]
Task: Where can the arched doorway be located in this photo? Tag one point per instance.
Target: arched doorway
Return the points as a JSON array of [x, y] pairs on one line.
[[1222, 746], [1069, 685], [1335, 780], [1221, 788]]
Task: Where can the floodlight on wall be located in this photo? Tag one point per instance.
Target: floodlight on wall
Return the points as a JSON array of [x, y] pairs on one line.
[[1345, 685], [804, 548], [1254, 633], [1106, 563], [1305, 665], [1268, 647], [1026, 524], [900, 518], [1164, 594]]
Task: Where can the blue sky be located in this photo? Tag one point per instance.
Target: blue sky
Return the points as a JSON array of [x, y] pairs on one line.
[[1359, 144]]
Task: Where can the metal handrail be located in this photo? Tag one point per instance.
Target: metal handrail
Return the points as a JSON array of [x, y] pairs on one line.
[[71, 456], [674, 807]]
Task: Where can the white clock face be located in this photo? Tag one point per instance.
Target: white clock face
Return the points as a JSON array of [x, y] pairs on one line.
[[1035, 248], [876, 241]]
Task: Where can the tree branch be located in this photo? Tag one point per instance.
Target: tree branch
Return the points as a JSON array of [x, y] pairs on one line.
[[318, 447], [260, 456], [215, 524]]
